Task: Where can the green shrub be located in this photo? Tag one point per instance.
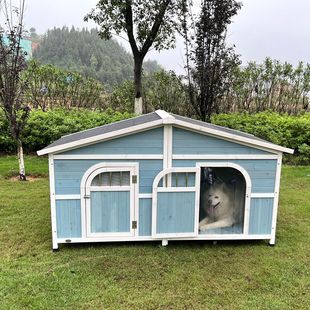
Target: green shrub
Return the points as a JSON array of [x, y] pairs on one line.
[[45, 127], [289, 131]]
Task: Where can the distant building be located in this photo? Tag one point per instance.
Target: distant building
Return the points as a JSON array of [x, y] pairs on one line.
[[26, 45]]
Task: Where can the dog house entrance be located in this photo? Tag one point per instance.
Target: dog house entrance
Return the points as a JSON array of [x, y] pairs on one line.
[[222, 201]]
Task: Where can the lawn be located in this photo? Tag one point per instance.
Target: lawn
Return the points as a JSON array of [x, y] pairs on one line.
[[184, 275]]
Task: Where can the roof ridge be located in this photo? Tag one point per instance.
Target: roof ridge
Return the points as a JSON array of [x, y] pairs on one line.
[[163, 114]]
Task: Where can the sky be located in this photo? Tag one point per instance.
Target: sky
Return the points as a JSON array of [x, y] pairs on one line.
[[275, 28]]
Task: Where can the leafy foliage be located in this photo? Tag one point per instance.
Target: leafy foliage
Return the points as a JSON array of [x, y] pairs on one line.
[[271, 85], [210, 62], [50, 87], [146, 24], [290, 131], [113, 18], [44, 128], [162, 90], [12, 64], [82, 51]]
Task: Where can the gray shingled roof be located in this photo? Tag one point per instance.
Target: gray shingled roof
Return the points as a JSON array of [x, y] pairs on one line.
[[105, 129], [146, 118]]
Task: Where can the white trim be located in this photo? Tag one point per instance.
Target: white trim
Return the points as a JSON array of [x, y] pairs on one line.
[[165, 119], [248, 183], [102, 137], [53, 201], [68, 197], [175, 235], [223, 157], [172, 170], [86, 187], [145, 196], [276, 201], [175, 189], [157, 189], [167, 151], [262, 195], [108, 157], [105, 164], [110, 188], [165, 116], [149, 238]]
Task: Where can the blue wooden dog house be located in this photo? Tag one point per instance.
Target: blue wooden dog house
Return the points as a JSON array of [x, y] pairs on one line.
[[144, 178]]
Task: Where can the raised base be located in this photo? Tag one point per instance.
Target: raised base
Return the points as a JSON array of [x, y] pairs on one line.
[[164, 242]]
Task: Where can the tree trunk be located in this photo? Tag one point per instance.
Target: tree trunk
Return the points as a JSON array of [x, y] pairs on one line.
[[138, 60], [20, 153]]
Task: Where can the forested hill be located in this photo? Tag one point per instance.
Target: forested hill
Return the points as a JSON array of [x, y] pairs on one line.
[[83, 51]]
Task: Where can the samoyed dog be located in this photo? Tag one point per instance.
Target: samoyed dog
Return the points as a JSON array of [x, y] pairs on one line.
[[217, 204]]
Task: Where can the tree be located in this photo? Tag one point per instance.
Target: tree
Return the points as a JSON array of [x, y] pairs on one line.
[[52, 87], [33, 33], [146, 24], [210, 63], [162, 90], [12, 64]]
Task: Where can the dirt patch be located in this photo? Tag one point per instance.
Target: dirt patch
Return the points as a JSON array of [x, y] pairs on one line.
[[29, 178]]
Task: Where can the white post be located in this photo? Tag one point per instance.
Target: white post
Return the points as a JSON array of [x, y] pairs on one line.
[[164, 242], [21, 162], [53, 201], [138, 106], [276, 201]]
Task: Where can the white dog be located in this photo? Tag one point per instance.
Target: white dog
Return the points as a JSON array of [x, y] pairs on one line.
[[217, 205]]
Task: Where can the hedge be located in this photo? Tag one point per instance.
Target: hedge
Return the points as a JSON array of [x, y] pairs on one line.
[[289, 131], [45, 127]]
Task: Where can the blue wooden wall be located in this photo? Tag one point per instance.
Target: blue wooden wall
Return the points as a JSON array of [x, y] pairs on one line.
[[261, 171], [145, 142], [261, 216], [68, 174], [145, 217], [110, 212], [68, 218], [173, 206], [188, 142], [175, 212]]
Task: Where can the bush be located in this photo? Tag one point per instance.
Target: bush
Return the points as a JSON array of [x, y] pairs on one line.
[[44, 128], [289, 131]]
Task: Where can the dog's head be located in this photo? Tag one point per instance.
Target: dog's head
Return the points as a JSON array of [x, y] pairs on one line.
[[216, 194]]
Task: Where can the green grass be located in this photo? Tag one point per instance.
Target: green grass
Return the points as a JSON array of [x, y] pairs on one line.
[[184, 275]]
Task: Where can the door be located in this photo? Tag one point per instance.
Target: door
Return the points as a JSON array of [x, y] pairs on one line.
[[175, 203], [110, 195]]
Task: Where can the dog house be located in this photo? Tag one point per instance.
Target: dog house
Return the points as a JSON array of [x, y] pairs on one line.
[[163, 177]]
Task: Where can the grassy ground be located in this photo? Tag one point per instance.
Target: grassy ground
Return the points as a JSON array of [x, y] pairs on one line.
[[184, 275]]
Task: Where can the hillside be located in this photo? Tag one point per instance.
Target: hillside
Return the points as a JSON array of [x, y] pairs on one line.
[[83, 51]]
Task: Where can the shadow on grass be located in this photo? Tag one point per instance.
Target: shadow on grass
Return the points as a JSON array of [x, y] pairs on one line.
[[184, 244]]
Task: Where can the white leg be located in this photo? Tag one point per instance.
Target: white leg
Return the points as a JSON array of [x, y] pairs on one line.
[[272, 241], [164, 242], [55, 245]]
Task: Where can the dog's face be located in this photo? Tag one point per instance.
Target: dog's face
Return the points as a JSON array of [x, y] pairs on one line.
[[215, 197]]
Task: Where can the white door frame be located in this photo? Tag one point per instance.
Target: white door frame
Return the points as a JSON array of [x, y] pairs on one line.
[[86, 188], [248, 189]]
